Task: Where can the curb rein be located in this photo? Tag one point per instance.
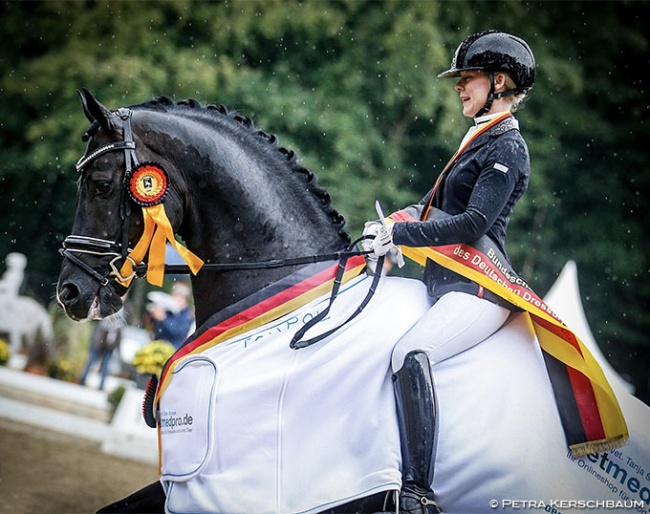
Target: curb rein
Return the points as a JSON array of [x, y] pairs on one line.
[[119, 251]]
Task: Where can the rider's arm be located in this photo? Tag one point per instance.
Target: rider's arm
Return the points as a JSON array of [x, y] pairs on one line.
[[488, 199]]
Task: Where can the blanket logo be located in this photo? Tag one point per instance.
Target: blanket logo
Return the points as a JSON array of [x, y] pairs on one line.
[[171, 422], [629, 480]]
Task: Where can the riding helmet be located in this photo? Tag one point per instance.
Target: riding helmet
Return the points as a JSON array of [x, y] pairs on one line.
[[494, 51]]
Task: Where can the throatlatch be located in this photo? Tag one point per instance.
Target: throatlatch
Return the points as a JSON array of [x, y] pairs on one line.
[[416, 414]]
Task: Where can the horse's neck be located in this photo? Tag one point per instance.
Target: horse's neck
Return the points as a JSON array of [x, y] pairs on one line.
[[241, 218], [214, 291]]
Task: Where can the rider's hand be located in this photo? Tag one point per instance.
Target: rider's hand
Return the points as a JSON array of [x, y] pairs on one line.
[[383, 242], [371, 228]]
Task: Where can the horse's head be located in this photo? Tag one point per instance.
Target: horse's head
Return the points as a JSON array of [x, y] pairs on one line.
[[104, 224], [229, 190]]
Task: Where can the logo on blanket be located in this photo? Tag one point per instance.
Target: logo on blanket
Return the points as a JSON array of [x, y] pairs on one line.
[[619, 473], [171, 422], [286, 324]]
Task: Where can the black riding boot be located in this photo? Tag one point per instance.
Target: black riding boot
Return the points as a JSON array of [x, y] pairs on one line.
[[416, 412]]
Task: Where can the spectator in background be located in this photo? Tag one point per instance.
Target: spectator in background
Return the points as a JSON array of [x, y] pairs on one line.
[[172, 318], [105, 339]]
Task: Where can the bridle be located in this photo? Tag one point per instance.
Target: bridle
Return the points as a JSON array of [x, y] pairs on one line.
[[118, 251]]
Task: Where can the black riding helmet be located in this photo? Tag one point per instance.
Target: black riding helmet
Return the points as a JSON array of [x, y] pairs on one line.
[[493, 51]]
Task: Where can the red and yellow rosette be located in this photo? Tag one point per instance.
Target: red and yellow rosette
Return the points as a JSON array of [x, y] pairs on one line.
[[148, 185]]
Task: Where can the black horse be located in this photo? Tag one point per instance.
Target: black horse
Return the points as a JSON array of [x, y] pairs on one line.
[[229, 191]]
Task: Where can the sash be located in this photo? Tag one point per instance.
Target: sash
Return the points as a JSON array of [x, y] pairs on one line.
[[589, 411], [464, 144], [272, 302]]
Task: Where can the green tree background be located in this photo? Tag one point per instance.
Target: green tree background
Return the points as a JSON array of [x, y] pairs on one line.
[[351, 86]]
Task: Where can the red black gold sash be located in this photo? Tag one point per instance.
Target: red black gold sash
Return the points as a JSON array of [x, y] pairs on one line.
[[590, 413], [270, 303], [480, 130]]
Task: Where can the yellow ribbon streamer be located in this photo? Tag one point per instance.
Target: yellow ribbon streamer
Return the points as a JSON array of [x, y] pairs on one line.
[[157, 231]]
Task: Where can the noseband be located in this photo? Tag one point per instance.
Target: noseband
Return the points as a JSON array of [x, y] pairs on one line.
[[118, 251]]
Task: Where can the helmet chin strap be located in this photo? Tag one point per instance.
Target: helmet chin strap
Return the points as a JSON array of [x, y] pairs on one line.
[[493, 95], [490, 98]]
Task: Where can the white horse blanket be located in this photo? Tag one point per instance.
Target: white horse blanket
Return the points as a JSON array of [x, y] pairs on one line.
[[252, 426]]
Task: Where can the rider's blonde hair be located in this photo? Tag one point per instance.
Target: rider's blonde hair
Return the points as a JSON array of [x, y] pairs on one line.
[[515, 100]]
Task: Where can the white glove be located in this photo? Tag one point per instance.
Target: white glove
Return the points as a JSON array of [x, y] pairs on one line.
[[371, 228], [383, 242]]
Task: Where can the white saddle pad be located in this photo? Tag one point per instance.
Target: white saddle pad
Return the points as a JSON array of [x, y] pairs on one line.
[[251, 426]]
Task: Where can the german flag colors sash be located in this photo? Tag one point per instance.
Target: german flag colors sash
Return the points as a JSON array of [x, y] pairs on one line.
[[589, 411], [270, 303]]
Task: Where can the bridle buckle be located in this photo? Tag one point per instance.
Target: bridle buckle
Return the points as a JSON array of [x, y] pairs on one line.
[[117, 273]]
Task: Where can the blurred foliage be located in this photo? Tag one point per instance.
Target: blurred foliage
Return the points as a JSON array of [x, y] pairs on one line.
[[351, 86], [62, 369], [150, 359]]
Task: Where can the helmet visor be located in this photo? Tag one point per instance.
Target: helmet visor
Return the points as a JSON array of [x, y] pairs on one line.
[[455, 72]]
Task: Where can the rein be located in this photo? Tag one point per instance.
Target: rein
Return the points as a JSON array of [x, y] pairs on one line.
[[177, 269]]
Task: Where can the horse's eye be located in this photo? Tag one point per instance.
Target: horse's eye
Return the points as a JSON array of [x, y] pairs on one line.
[[101, 187]]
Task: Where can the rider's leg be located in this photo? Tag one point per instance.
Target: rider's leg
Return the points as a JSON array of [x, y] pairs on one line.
[[455, 323], [416, 413]]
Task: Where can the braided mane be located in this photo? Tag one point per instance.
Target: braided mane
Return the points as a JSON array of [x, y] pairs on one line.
[[220, 113]]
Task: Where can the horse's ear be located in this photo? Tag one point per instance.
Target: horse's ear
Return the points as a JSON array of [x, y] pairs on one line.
[[95, 111]]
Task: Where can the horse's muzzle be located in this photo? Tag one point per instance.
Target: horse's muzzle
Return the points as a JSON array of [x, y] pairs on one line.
[[68, 296], [89, 303]]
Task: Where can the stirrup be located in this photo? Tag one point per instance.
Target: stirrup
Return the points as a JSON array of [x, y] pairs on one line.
[[417, 500]]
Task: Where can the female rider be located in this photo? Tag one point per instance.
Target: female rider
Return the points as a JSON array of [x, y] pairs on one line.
[[477, 190]]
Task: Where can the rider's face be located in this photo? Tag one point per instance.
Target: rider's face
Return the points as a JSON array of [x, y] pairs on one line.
[[473, 88]]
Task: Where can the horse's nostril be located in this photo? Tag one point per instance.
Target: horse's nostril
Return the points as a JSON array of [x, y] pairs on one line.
[[68, 294]]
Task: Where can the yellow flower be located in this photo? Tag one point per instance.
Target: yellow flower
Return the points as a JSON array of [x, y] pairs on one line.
[[4, 352], [150, 359]]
